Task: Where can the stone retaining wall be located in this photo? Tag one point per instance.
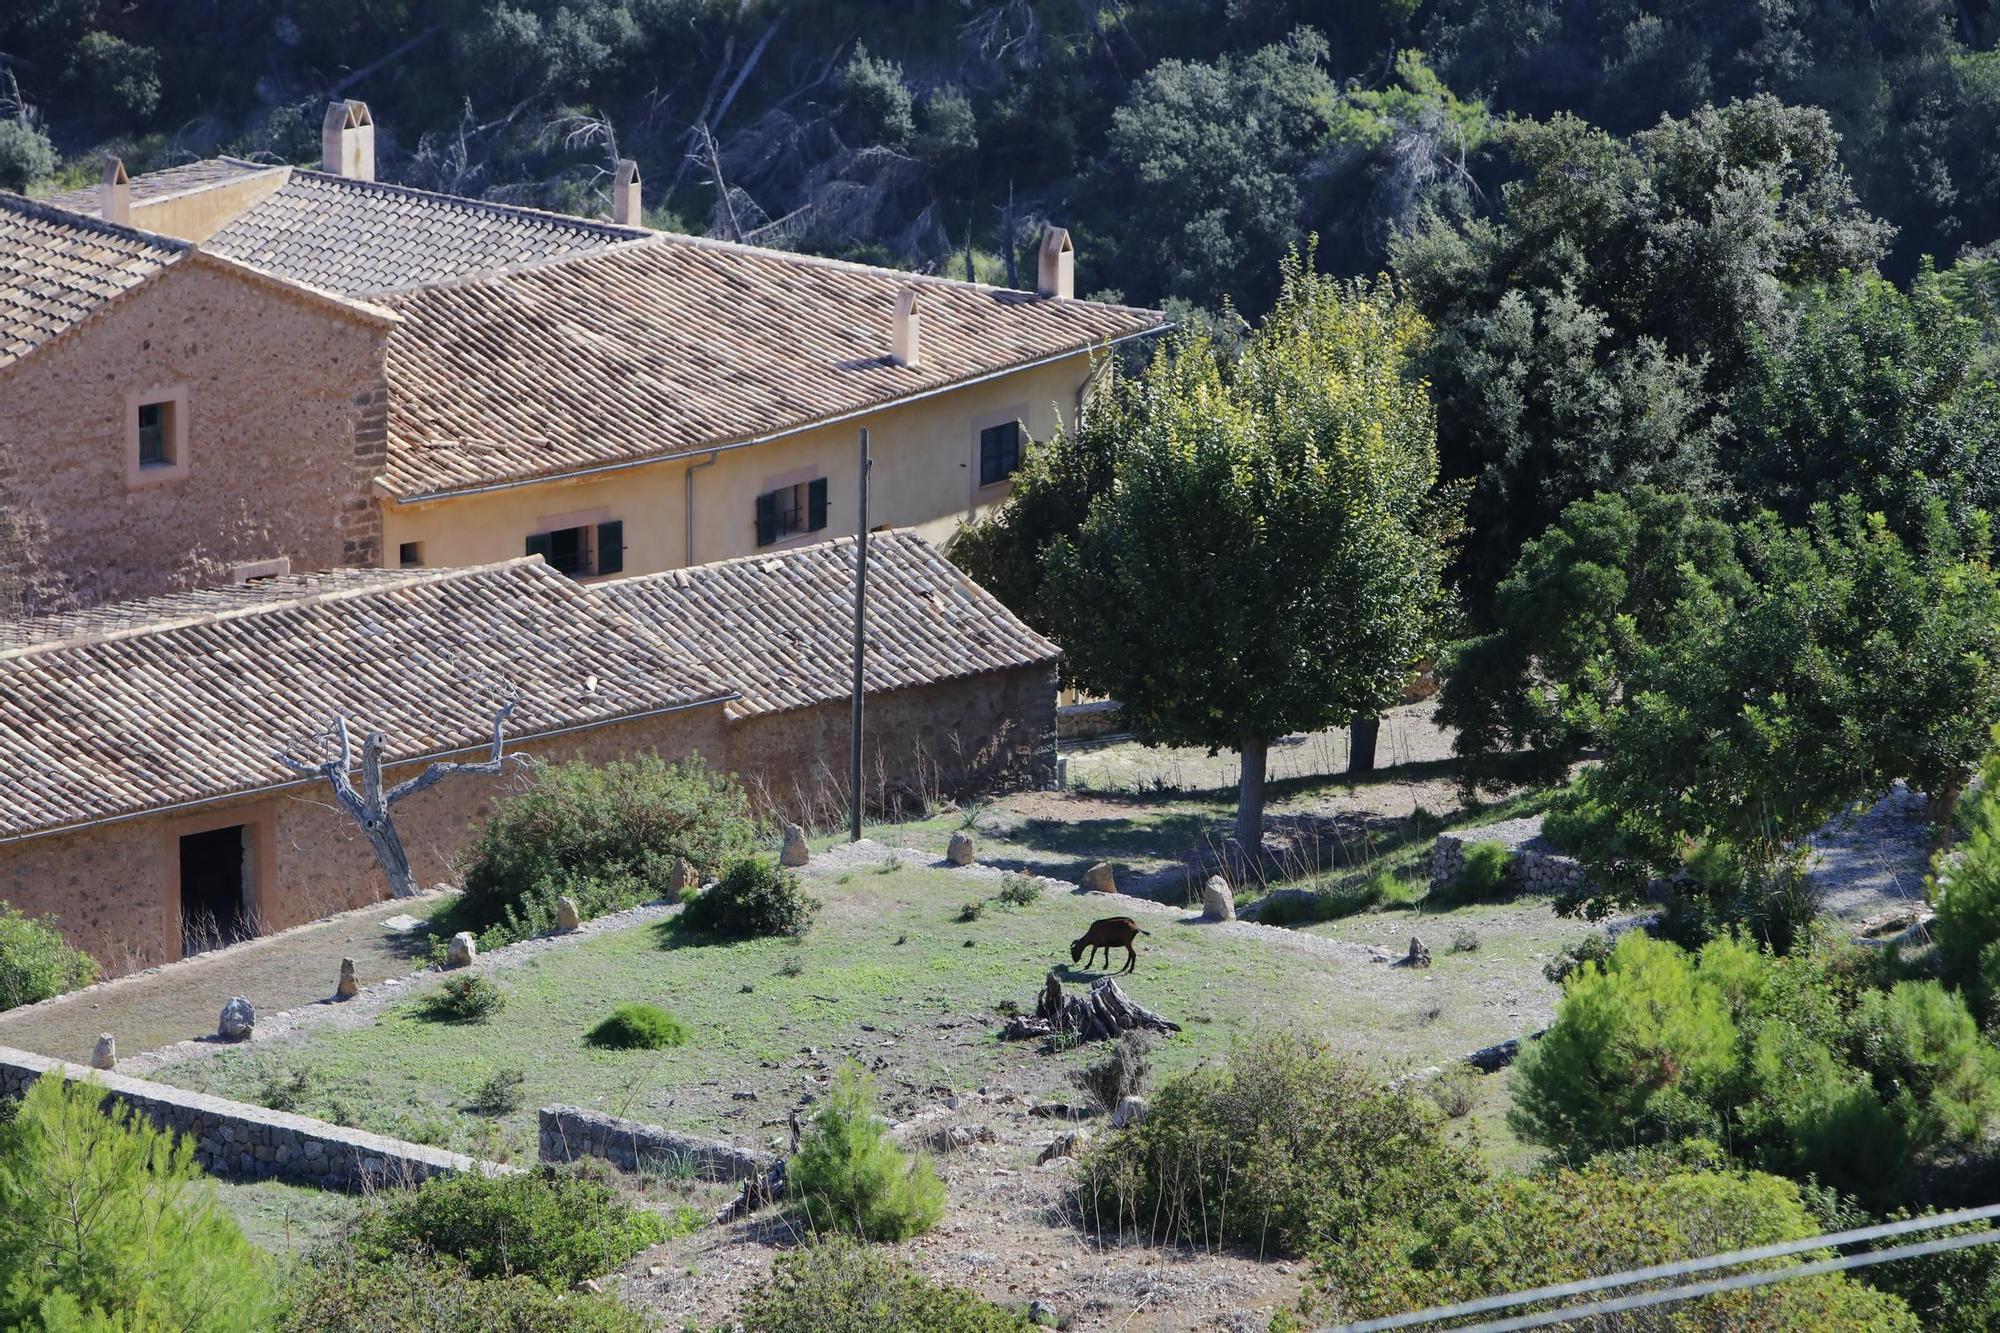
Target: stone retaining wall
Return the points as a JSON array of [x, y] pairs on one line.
[[251, 1142], [1537, 867], [570, 1132]]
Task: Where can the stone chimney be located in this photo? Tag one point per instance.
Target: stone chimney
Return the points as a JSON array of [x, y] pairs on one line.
[[347, 141], [1056, 274], [114, 202], [626, 209], [906, 336]]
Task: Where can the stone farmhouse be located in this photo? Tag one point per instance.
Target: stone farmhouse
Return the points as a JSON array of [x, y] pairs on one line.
[[142, 801], [225, 370]]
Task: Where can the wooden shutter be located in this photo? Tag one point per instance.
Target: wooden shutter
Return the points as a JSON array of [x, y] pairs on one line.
[[816, 505], [767, 518], [611, 547], [542, 544]]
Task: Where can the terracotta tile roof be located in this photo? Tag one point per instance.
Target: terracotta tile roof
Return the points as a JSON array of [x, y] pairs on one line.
[[190, 708], [358, 237], [183, 179], [675, 345], [779, 628], [56, 267]]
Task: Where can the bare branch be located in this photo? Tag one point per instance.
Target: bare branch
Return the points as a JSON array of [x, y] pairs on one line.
[[435, 773]]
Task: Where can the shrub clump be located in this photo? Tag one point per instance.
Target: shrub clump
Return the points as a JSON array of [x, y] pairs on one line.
[[35, 964], [1284, 1143], [1019, 890], [106, 1223], [838, 1286], [606, 835], [639, 1027], [465, 998], [337, 1293], [1797, 1062], [1486, 874], [971, 911], [553, 1226], [756, 897], [850, 1176], [1120, 1074]]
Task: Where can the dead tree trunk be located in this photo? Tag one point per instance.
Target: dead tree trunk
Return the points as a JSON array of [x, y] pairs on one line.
[[370, 806]]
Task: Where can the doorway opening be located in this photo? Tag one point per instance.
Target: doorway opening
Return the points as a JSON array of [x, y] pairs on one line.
[[214, 889]]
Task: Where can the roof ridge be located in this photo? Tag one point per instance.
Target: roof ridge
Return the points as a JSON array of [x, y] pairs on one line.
[[52, 212], [905, 536], [510, 270], [467, 201], [351, 589]]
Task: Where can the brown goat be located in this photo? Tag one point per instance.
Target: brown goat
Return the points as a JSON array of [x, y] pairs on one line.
[[1112, 932]]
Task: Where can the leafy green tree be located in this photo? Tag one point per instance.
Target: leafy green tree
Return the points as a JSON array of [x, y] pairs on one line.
[[875, 99], [105, 1224], [26, 156], [35, 964], [1266, 559], [849, 1175], [126, 74], [1589, 338], [1964, 887]]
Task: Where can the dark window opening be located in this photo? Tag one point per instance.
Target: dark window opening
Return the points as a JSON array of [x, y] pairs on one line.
[[155, 449], [410, 555], [790, 510], [214, 889], [581, 552], [999, 453]]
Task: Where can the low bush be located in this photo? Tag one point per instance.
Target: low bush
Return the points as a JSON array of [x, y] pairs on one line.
[[287, 1089], [35, 964], [336, 1293], [837, 1286], [1618, 1212], [606, 835], [1965, 889], [1465, 940], [756, 897], [1592, 948], [1019, 890], [501, 1093], [1456, 1091], [465, 997], [557, 1227], [639, 1027], [1120, 1074], [849, 1175], [107, 1224], [971, 912], [1283, 1143], [1486, 874]]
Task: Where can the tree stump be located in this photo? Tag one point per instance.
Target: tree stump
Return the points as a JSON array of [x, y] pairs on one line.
[[1104, 1012]]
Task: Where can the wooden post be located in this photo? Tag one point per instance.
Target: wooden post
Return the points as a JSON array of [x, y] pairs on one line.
[[860, 640]]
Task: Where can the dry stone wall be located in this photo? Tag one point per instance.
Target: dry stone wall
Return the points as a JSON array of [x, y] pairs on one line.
[[1537, 867], [251, 1142], [570, 1132]]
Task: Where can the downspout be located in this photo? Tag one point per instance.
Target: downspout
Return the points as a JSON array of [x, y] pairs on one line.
[[713, 454]]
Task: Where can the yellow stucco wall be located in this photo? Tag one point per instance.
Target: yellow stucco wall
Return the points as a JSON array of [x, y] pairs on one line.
[[199, 214], [926, 475]]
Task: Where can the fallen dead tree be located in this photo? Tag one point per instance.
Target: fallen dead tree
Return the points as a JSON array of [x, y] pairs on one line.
[[1103, 1013]]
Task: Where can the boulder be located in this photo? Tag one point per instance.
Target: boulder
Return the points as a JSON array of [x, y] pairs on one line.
[[105, 1055], [1099, 879], [347, 987], [1217, 902], [684, 879], [1067, 1144], [238, 1020], [959, 852], [462, 951], [1043, 1315], [796, 852], [1130, 1111], [568, 915], [1419, 954]]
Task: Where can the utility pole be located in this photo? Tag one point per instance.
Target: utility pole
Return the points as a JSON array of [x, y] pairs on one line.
[[860, 639]]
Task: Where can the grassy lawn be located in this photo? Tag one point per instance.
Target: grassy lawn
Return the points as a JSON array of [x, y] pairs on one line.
[[888, 977], [285, 1219]]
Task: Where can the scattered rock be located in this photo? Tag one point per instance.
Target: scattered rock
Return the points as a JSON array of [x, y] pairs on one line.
[[1378, 954], [590, 1285], [1057, 1111], [1099, 879], [401, 925], [1217, 902], [1131, 1111], [1419, 954], [684, 880], [953, 1137], [1043, 1315], [347, 987], [237, 1021], [105, 1056], [463, 950], [568, 915], [796, 852], [959, 852], [1067, 1144], [743, 1095]]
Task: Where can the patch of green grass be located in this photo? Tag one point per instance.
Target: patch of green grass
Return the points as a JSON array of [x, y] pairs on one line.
[[637, 1026], [283, 1218]]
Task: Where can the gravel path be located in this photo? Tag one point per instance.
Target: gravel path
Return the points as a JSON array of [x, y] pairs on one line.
[[1875, 861]]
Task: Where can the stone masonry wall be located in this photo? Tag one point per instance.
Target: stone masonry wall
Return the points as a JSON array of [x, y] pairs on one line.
[[569, 1133], [250, 1142], [1537, 867], [285, 419]]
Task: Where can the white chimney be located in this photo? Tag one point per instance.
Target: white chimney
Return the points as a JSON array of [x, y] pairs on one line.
[[114, 201], [347, 141], [626, 209], [907, 335], [1056, 274]]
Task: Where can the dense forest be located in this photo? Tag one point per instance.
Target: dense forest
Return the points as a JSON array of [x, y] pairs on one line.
[[1734, 250]]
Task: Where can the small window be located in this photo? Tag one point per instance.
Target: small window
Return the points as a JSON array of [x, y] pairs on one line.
[[156, 430], [410, 555], [999, 453], [790, 510], [156, 423], [584, 551]]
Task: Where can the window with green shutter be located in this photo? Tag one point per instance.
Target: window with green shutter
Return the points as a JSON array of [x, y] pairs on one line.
[[816, 505], [611, 547]]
